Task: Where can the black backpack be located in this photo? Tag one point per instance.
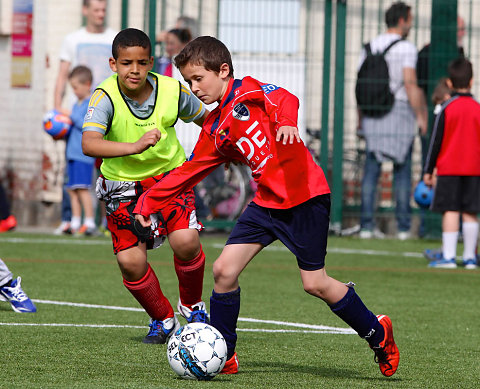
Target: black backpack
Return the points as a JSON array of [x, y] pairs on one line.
[[374, 97]]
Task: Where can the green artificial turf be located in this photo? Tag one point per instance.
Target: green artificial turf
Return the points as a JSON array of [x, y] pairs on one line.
[[97, 343]]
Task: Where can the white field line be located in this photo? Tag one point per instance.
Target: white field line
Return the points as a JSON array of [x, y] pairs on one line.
[[306, 328], [93, 242]]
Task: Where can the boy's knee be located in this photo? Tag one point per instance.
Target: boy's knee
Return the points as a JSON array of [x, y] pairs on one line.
[[185, 246], [222, 273], [132, 270], [314, 289]]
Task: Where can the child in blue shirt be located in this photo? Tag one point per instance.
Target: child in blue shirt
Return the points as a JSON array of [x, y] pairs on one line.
[[80, 166]]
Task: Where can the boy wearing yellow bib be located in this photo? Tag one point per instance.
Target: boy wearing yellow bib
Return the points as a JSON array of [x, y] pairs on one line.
[[129, 123]]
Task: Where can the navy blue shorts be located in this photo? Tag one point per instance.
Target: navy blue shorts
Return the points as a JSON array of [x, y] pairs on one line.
[[302, 229]]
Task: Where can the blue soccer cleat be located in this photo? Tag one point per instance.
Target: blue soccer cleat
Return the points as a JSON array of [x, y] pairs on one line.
[[470, 264], [443, 263], [17, 297], [433, 254], [196, 314], [160, 330]]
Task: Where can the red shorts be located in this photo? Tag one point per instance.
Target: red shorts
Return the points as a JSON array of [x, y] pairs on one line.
[[126, 232]]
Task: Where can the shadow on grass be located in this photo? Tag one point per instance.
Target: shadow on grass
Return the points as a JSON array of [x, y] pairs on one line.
[[321, 371]]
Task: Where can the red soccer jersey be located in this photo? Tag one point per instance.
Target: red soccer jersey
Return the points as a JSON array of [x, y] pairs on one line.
[[460, 147], [243, 128]]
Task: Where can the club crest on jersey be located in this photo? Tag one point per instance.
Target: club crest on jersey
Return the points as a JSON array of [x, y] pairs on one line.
[[89, 113], [241, 112]]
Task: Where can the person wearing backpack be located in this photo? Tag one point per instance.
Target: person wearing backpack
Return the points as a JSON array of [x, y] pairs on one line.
[[390, 109]]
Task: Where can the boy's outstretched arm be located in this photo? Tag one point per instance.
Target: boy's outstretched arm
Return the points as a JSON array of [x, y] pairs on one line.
[[205, 159], [94, 145]]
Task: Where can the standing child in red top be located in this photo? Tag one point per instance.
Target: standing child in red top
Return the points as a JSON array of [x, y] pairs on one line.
[[455, 154], [256, 124]]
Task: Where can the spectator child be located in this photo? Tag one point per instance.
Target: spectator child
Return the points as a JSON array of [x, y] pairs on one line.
[[90, 46], [454, 153], [80, 167]]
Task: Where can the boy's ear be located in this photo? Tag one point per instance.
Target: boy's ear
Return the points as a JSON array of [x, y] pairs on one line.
[[470, 84], [449, 83], [224, 70], [113, 64], [151, 62]]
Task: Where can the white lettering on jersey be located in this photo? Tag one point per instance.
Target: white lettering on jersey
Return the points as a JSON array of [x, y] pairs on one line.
[[251, 147]]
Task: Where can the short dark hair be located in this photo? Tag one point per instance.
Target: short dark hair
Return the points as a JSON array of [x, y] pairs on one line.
[[82, 73], [86, 3], [130, 37], [397, 11], [206, 51], [460, 72], [183, 34]]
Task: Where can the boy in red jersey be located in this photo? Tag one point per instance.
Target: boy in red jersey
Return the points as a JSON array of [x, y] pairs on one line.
[[256, 124], [455, 154]]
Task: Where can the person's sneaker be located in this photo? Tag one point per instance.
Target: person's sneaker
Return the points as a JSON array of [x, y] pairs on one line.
[[196, 314], [404, 235], [369, 234], [8, 224], [160, 331], [87, 231], [231, 366], [443, 263], [63, 228], [433, 254], [386, 354], [470, 264], [365, 234], [17, 297]]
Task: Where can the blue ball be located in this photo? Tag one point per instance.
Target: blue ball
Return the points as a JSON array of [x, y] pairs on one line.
[[423, 195], [56, 124]]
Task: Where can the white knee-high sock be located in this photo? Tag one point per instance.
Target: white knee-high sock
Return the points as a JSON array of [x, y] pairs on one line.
[[470, 236], [449, 244]]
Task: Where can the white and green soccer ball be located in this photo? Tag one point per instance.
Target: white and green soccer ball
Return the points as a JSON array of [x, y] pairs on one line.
[[197, 351]]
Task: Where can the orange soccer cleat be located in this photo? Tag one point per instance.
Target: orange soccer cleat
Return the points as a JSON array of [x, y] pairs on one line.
[[231, 366], [386, 354]]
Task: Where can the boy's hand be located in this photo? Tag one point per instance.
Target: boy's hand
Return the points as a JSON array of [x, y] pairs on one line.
[[428, 179], [149, 139], [288, 133], [144, 221]]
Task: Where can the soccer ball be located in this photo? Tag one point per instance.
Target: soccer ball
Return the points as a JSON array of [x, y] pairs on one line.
[[197, 351], [423, 195], [56, 124]]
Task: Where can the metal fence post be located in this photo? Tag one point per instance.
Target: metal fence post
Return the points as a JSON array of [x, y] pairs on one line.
[[337, 177], [124, 14], [327, 33], [443, 48]]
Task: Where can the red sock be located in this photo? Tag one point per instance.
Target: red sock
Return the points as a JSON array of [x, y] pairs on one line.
[[148, 293], [190, 278]]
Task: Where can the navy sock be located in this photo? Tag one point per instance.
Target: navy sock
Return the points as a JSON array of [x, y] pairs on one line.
[[353, 311], [224, 310]]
